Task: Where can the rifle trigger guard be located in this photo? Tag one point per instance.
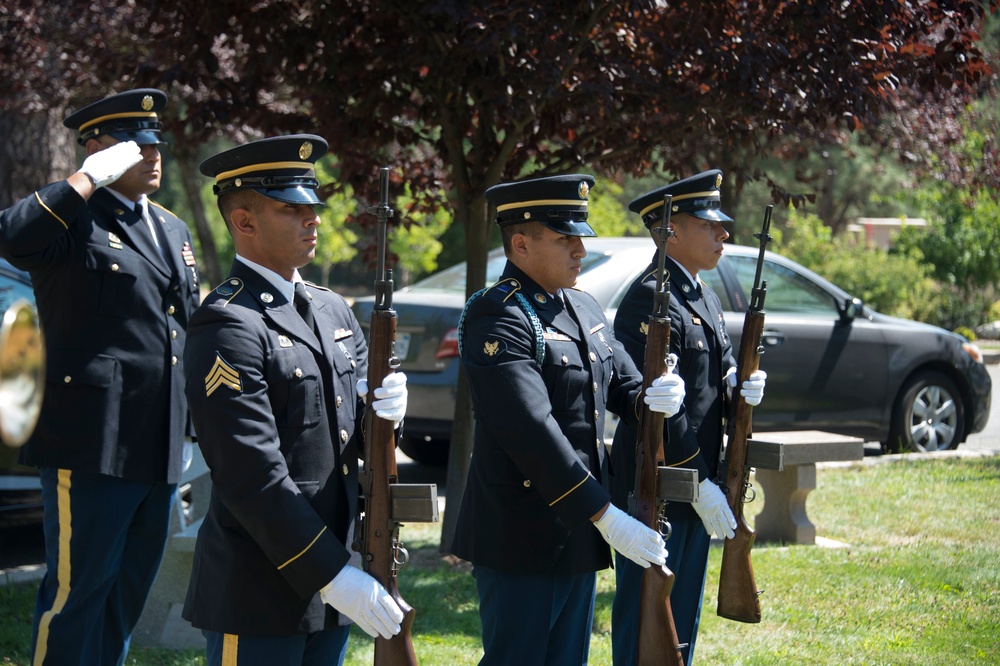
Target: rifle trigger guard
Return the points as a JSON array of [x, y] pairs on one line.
[[665, 529], [400, 556]]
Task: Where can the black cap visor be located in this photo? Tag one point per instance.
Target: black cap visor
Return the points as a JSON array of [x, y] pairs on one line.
[[710, 214], [141, 137], [570, 227], [293, 195]]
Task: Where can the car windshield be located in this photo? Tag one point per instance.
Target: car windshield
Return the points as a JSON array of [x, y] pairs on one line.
[[453, 279]]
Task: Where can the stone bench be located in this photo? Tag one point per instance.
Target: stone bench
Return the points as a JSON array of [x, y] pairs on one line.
[[783, 517], [161, 623]]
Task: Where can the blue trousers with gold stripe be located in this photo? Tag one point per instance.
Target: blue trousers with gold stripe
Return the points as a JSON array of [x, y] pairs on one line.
[[320, 648], [104, 539]]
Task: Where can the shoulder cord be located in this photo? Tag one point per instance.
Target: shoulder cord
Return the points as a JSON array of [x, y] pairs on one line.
[[536, 323]]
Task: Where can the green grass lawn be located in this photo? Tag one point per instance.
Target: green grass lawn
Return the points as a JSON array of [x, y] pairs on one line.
[[917, 583]]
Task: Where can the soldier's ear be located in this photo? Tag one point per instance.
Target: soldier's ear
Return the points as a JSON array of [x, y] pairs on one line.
[[519, 244], [243, 221]]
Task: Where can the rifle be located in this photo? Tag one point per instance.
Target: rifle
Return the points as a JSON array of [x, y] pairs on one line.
[[657, 642], [385, 504], [738, 595]]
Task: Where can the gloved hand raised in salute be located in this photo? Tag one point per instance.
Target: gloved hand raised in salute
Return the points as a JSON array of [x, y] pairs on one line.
[[106, 166]]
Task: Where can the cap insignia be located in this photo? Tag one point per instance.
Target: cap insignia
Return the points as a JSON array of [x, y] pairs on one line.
[[147, 103], [718, 181], [584, 189], [644, 328], [527, 215], [490, 348], [238, 182], [305, 150]]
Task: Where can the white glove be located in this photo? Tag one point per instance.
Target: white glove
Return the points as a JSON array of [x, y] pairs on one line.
[[714, 511], [631, 538], [753, 387], [106, 166], [187, 455], [666, 393], [361, 598], [390, 398]]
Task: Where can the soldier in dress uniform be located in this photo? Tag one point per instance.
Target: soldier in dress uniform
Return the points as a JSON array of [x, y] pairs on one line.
[[274, 365], [543, 365], [694, 439], [115, 281]]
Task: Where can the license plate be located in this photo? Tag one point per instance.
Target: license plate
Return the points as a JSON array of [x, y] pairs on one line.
[[402, 345]]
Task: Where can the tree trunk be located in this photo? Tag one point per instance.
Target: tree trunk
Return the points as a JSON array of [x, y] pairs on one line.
[[477, 233], [211, 274], [35, 150]]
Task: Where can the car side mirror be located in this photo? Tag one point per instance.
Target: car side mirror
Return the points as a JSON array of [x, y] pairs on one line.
[[851, 309]]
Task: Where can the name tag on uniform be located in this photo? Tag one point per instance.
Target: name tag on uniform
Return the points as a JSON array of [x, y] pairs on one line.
[[596, 328], [342, 333], [283, 341]]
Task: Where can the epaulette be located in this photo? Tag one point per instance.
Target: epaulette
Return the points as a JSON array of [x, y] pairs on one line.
[[506, 289], [162, 207], [503, 289], [320, 287], [229, 289]]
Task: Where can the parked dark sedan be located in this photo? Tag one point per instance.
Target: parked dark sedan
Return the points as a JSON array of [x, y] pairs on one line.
[[833, 363]]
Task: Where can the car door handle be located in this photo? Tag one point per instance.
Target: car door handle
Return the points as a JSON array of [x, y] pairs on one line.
[[772, 338]]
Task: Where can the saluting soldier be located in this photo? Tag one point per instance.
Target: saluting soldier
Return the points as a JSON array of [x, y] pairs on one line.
[[694, 439], [115, 280], [274, 367], [543, 366]]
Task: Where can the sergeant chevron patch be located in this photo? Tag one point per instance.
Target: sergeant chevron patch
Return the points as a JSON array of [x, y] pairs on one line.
[[222, 374]]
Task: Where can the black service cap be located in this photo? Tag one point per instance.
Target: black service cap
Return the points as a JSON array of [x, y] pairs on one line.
[[280, 168], [558, 202], [698, 196], [127, 116]]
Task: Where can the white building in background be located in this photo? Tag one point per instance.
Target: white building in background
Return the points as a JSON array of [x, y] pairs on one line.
[[879, 231]]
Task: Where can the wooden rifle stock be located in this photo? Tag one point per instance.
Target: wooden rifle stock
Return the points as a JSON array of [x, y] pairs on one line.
[[380, 548], [657, 641], [738, 595]]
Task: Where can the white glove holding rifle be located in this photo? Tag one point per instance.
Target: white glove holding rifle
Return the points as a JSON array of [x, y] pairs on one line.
[[631, 538], [753, 388], [714, 511], [106, 166], [390, 398], [666, 393], [361, 598]]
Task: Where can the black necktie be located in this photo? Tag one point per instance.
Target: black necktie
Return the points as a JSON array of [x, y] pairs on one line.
[[303, 306]]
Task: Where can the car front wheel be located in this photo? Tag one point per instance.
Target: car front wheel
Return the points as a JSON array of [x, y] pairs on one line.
[[928, 415]]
